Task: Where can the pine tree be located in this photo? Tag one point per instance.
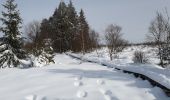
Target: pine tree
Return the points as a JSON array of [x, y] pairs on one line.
[[56, 34], [11, 43], [62, 25], [73, 23], [67, 30], [47, 55], [48, 50], [84, 32]]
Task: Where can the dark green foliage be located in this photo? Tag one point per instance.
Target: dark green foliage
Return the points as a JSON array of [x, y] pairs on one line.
[[11, 42], [84, 32], [46, 53], [62, 33], [73, 26], [67, 30]]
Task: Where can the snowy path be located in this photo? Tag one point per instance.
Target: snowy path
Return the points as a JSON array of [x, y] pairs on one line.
[[69, 79]]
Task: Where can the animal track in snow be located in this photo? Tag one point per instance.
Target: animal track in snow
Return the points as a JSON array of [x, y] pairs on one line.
[[81, 94], [107, 94], [78, 78], [31, 97], [107, 97], [78, 83], [100, 82], [35, 97]]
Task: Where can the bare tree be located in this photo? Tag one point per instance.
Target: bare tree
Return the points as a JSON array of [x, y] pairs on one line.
[[157, 29], [159, 34], [167, 27], [114, 40], [32, 30]]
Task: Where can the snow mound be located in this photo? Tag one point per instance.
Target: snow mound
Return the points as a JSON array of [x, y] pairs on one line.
[[81, 94], [100, 82], [77, 84]]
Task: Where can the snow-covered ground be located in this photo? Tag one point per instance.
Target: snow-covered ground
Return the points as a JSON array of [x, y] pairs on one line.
[[71, 79], [123, 60]]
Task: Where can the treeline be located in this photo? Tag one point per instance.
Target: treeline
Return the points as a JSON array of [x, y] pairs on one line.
[[67, 30]]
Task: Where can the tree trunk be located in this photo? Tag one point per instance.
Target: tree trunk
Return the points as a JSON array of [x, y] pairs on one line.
[[83, 45]]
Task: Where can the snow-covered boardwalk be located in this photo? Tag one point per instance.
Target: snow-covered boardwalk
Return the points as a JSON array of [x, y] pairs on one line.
[[71, 79]]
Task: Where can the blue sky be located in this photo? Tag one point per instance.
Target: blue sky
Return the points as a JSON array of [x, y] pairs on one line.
[[133, 15]]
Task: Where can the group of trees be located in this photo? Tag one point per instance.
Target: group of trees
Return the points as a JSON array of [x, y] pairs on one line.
[[64, 31], [159, 36], [67, 30]]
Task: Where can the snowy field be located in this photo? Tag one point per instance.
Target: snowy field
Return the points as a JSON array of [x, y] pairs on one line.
[[71, 79], [123, 60]]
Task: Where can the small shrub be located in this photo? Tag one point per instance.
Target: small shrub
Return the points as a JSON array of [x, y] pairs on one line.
[[140, 57]]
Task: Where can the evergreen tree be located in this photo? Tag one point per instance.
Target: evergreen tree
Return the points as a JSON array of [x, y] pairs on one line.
[[11, 43], [61, 28], [67, 30], [48, 50], [47, 55], [54, 31], [45, 29], [73, 26], [84, 32]]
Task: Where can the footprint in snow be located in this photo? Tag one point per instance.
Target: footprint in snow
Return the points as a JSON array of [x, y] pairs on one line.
[[100, 82], [105, 92], [81, 94], [44, 98], [35, 97], [108, 94], [107, 97], [78, 78], [31, 97], [78, 83]]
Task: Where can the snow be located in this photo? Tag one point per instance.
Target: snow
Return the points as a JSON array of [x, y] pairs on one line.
[[81, 94], [71, 79], [124, 61]]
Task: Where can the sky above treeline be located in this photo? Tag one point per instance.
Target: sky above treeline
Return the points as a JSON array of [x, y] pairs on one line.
[[134, 16]]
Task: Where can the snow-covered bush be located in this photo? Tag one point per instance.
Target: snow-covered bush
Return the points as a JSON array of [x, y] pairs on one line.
[[165, 55], [10, 54], [45, 56], [140, 57], [44, 59]]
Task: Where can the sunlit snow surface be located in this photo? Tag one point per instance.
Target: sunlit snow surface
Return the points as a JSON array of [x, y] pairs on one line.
[[123, 60], [70, 79]]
